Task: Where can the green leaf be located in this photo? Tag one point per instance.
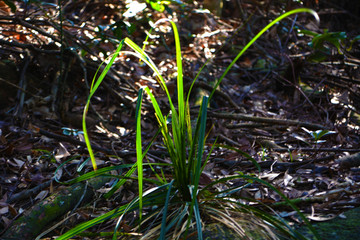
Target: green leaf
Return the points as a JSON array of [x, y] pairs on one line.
[[121, 182], [163, 222], [318, 134], [295, 11], [94, 87], [139, 154], [197, 216], [156, 5], [151, 197], [334, 38], [357, 38], [93, 174]]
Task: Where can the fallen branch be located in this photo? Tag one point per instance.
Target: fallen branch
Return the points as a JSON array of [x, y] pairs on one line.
[[35, 220], [245, 117], [273, 164], [315, 149], [349, 161], [28, 193]]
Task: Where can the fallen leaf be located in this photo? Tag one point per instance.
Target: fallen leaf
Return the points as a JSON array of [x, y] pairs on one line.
[[42, 195], [270, 176], [62, 152], [322, 218], [287, 178], [4, 210]]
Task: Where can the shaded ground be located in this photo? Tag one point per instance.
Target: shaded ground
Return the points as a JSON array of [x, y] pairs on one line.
[[281, 78]]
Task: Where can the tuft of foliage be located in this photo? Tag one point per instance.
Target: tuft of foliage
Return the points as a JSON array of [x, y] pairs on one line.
[[174, 207]]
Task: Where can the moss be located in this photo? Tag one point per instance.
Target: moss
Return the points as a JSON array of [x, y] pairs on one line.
[[338, 228]]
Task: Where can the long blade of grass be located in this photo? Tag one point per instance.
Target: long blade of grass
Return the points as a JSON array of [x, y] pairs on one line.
[[197, 218], [151, 197], [201, 143], [178, 120], [83, 226], [133, 203], [92, 174], [132, 170], [179, 125], [166, 205], [162, 122], [120, 182], [180, 84], [208, 156], [94, 87], [139, 154], [295, 11], [194, 142], [194, 207], [143, 56], [196, 172]]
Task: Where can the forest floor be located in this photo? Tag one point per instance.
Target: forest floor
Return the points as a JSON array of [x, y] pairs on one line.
[[292, 106]]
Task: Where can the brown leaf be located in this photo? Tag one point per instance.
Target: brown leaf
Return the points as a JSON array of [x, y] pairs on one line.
[[4, 210], [42, 195], [205, 179], [62, 152]]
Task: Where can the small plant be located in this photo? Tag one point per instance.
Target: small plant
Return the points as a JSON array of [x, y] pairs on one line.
[[320, 43], [177, 206], [318, 134]]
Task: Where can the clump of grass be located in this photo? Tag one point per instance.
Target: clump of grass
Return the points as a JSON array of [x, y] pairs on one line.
[[175, 207]]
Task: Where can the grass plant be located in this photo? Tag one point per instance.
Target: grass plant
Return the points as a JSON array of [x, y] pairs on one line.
[[175, 207]]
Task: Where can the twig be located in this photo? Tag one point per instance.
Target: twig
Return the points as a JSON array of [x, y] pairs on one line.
[[297, 87], [28, 193], [273, 164], [39, 30], [247, 125], [19, 88], [246, 117], [229, 140], [316, 149], [28, 46]]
